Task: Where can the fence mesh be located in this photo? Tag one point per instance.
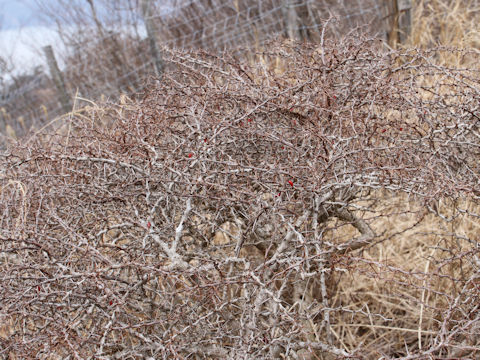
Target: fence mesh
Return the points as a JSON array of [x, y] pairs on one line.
[[120, 60]]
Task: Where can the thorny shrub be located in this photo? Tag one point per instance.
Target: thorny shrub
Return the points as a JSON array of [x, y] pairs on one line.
[[225, 214], [113, 64]]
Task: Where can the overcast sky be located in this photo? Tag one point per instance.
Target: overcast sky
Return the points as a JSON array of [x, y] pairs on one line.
[[17, 13], [22, 34]]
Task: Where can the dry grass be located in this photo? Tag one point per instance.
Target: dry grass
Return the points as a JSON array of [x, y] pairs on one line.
[[400, 290], [450, 23], [419, 267]]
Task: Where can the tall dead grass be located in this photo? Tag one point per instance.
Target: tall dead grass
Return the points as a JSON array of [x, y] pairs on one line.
[[449, 23]]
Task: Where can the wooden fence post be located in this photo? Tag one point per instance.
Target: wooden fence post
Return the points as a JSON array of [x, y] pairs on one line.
[[152, 40], [57, 78], [399, 20], [290, 16], [3, 120]]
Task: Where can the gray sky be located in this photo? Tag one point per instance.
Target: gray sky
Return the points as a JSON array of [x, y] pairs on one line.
[[22, 34]]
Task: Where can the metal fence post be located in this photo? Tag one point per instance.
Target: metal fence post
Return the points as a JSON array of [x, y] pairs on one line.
[[57, 78]]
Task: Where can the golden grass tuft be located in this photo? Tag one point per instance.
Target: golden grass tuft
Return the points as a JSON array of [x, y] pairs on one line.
[[450, 23]]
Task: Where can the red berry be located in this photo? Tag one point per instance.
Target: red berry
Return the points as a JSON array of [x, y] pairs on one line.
[[384, 130], [111, 302], [149, 224], [190, 155], [400, 129], [290, 182], [39, 288], [205, 140], [249, 120]]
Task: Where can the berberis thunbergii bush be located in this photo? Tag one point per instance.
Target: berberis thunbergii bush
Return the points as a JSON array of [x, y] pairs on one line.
[[250, 211]]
